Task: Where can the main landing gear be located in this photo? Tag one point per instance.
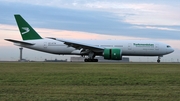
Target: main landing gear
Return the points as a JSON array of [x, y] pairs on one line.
[[91, 58], [158, 60]]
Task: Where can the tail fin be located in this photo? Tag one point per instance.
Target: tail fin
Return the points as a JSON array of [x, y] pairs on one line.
[[27, 32]]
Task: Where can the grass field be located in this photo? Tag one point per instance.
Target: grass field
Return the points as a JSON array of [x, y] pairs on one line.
[[89, 82]]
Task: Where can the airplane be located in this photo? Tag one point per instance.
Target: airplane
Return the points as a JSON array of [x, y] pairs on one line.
[[109, 49]]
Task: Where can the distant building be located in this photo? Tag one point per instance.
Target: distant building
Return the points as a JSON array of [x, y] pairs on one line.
[[55, 60], [100, 59], [23, 60]]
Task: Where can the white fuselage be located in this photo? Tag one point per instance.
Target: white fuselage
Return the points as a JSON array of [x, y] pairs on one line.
[[128, 47]]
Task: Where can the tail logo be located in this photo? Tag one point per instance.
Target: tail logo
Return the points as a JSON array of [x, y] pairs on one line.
[[26, 30]]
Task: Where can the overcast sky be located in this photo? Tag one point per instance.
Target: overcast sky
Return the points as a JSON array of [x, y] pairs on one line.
[[91, 19]]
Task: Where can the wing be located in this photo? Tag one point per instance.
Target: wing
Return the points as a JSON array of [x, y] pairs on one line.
[[78, 45], [19, 42]]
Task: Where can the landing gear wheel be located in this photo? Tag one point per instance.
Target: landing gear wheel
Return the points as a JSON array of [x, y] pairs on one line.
[[95, 60], [158, 61], [90, 60]]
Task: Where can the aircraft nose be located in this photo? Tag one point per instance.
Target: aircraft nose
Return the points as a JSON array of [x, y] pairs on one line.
[[170, 50]]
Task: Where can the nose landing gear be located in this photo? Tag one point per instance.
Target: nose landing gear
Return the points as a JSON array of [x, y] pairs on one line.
[[158, 60]]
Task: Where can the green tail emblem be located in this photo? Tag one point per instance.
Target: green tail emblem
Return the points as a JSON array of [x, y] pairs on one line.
[[27, 32]]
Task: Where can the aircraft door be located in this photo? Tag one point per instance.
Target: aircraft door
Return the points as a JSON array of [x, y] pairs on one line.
[[129, 47], [45, 44], [156, 46]]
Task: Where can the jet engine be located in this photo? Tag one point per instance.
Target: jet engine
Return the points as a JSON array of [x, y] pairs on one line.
[[112, 54]]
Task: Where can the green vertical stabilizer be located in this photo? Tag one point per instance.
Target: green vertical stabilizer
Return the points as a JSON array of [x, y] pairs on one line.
[[27, 32]]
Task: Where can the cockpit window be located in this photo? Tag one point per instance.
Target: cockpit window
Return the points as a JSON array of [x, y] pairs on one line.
[[168, 46]]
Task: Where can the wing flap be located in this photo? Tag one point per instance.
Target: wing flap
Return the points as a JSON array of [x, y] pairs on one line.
[[20, 42]]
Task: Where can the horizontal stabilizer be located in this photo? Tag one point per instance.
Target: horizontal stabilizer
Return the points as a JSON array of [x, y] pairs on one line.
[[21, 42]]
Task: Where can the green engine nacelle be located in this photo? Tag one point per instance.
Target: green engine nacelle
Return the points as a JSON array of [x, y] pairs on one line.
[[113, 54]]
